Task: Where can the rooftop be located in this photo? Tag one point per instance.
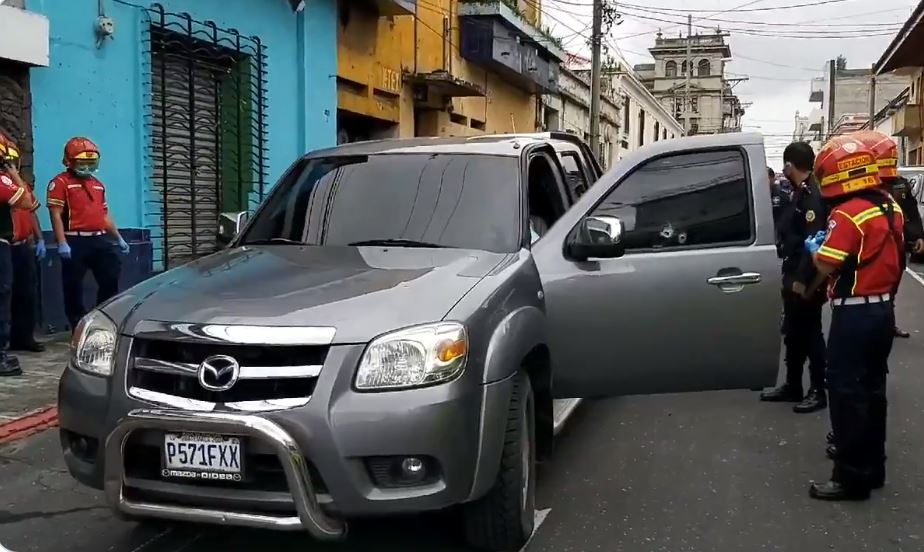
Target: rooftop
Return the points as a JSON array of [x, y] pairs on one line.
[[907, 46]]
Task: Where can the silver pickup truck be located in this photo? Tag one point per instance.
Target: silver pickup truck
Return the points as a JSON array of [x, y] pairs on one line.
[[389, 331]]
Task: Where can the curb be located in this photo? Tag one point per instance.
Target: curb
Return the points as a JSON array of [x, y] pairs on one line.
[[30, 424]]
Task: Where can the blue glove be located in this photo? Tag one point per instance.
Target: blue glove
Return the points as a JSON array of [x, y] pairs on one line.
[[40, 250], [813, 243], [64, 250], [123, 246]]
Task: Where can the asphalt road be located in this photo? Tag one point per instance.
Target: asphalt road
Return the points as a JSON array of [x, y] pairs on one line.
[[698, 472]]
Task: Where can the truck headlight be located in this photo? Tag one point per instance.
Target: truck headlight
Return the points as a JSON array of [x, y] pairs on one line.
[[414, 357], [93, 344]]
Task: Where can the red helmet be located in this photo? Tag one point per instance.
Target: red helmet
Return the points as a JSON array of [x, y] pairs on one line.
[[845, 165], [884, 148], [81, 156], [9, 151]]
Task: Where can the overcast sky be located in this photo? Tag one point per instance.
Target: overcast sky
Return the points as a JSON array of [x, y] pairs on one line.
[[780, 63]]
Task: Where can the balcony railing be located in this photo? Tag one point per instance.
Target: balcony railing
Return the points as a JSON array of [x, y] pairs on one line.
[[907, 121], [498, 37]]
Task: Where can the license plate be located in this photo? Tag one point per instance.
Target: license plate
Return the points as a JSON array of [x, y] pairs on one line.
[[202, 456]]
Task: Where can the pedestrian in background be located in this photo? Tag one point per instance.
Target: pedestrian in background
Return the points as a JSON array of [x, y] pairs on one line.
[[83, 228], [861, 257], [802, 216], [14, 196]]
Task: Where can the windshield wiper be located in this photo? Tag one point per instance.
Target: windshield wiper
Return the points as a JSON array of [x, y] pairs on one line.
[[396, 243], [275, 241]]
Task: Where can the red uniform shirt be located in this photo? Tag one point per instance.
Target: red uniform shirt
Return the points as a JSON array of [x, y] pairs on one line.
[[83, 201], [864, 248], [10, 193], [23, 224], [11, 196]]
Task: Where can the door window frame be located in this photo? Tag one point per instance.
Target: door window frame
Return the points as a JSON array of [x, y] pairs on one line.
[[547, 151], [741, 150]]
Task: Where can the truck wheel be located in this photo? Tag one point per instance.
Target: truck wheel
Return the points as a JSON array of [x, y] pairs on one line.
[[505, 517]]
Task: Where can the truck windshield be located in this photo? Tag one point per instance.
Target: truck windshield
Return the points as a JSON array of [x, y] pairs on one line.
[[422, 200]]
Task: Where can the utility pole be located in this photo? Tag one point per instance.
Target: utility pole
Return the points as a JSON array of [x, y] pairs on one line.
[[832, 78], [872, 98], [687, 105], [596, 42]]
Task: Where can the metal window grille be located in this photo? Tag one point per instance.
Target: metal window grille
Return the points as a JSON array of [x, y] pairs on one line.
[[207, 132]]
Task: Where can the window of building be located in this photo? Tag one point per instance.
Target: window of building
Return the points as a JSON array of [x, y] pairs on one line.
[[683, 68], [208, 134], [641, 127], [657, 130], [703, 68], [694, 104], [664, 134], [687, 200], [670, 69], [626, 102], [694, 126]]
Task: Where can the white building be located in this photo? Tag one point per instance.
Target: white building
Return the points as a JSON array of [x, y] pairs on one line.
[[712, 107], [630, 116]]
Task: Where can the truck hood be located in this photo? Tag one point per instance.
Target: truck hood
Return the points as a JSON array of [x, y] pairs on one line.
[[361, 291]]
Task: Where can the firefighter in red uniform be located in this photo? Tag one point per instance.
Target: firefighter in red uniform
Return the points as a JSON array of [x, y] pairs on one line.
[[14, 196], [83, 228], [862, 259], [27, 245]]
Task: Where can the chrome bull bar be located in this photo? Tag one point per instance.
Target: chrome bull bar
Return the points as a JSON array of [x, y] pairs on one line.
[[310, 516]]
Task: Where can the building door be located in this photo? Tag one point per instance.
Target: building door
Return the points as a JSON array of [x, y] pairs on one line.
[[208, 137]]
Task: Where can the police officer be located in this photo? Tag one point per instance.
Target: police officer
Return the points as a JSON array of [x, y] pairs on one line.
[[14, 195], [81, 221], [861, 257], [886, 152], [802, 216]]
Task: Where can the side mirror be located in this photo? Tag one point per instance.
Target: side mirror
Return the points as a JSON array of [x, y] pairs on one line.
[[597, 237], [230, 225]]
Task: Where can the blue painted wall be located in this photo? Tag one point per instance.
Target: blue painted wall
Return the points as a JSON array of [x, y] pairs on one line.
[[101, 93]]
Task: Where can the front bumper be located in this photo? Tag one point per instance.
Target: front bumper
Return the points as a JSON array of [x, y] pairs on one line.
[[310, 516], [323, 447]]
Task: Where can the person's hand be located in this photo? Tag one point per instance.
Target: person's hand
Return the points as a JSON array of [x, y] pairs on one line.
[[40, 250], [11, 170], [64, 250], [123, 246], [813, 243], [799, 289], [918, 246]]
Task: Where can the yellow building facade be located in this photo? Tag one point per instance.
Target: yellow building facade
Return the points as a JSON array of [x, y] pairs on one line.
[[442, 67]]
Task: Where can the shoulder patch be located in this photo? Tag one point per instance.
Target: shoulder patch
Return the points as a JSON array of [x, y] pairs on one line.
[[6, 180], [810, 215], [51, 186]]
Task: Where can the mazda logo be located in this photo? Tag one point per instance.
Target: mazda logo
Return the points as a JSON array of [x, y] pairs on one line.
[[219, 373]]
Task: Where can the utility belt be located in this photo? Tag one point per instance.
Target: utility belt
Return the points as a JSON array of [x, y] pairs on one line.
[[84, 233], [861, 300]]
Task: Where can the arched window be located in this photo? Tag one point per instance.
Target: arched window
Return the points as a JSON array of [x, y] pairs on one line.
[[683, 68], [703, 70], [670, 69]]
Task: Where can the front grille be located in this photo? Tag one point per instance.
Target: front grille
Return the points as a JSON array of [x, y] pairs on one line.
[[170, 367]]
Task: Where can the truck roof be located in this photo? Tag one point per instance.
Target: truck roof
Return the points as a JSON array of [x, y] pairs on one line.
[[504, 145]]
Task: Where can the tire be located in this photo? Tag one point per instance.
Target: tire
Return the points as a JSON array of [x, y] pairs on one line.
[[504, 519]]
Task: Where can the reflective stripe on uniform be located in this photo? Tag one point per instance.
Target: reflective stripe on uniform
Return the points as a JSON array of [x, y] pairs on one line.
[[17, 196], [850, 174], [836, 254]]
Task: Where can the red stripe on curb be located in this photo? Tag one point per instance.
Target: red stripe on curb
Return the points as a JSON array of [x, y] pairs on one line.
[[30, 424]]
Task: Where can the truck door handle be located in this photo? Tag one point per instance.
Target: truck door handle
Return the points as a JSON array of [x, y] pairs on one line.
[[745, 278]]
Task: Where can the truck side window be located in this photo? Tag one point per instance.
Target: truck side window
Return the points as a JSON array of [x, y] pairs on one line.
[[574, 172], [544, 198], [685, 200]]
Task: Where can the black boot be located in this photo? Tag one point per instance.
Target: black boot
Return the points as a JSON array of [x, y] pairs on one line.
[[833, 490], [9, 366], [830, 437], [783, 393], [814, 401], [901, 333], [29, 347], [831, 451]]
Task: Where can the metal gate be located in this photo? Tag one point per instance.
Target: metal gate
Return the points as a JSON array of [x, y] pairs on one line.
[[16, 110], [207, 131]]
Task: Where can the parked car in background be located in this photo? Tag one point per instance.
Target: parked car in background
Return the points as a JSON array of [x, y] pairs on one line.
[[915, 175], [382, 336]]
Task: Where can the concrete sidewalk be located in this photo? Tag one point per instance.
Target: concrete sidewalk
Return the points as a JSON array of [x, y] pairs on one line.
[[37, 387]]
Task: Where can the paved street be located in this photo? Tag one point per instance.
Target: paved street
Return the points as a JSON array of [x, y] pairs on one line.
[[698, 472]]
